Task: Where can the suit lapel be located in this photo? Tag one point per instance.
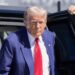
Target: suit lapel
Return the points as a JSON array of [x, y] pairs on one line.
[[28, 58], [47, 41], [26, 51]]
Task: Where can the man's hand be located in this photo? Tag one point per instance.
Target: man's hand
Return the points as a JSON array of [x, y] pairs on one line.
[[71, 9]]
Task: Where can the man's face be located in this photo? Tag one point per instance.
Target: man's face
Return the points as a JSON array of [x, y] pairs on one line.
[[35, 24]]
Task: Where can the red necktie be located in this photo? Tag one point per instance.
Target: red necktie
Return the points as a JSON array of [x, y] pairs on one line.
[[37, 59]]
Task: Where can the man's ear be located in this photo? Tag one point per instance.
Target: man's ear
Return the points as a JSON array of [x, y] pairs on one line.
[[24, 21]]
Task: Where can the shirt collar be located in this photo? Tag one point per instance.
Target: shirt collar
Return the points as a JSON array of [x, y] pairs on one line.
[[32, 39]]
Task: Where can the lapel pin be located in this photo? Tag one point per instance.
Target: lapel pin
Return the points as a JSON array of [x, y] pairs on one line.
[[49, 45]]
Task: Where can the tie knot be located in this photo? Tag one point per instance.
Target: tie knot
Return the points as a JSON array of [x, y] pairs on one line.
[[37, 39]]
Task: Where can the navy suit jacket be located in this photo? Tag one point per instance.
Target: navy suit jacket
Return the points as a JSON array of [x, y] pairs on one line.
[[16, 57]]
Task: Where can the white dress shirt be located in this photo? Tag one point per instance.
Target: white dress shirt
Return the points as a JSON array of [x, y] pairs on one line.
[[45, 58]]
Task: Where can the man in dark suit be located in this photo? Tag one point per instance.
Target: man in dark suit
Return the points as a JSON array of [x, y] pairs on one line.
[[18, 56]]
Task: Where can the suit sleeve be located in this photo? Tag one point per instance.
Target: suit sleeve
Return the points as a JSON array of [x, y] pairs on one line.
[[6, 56]]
